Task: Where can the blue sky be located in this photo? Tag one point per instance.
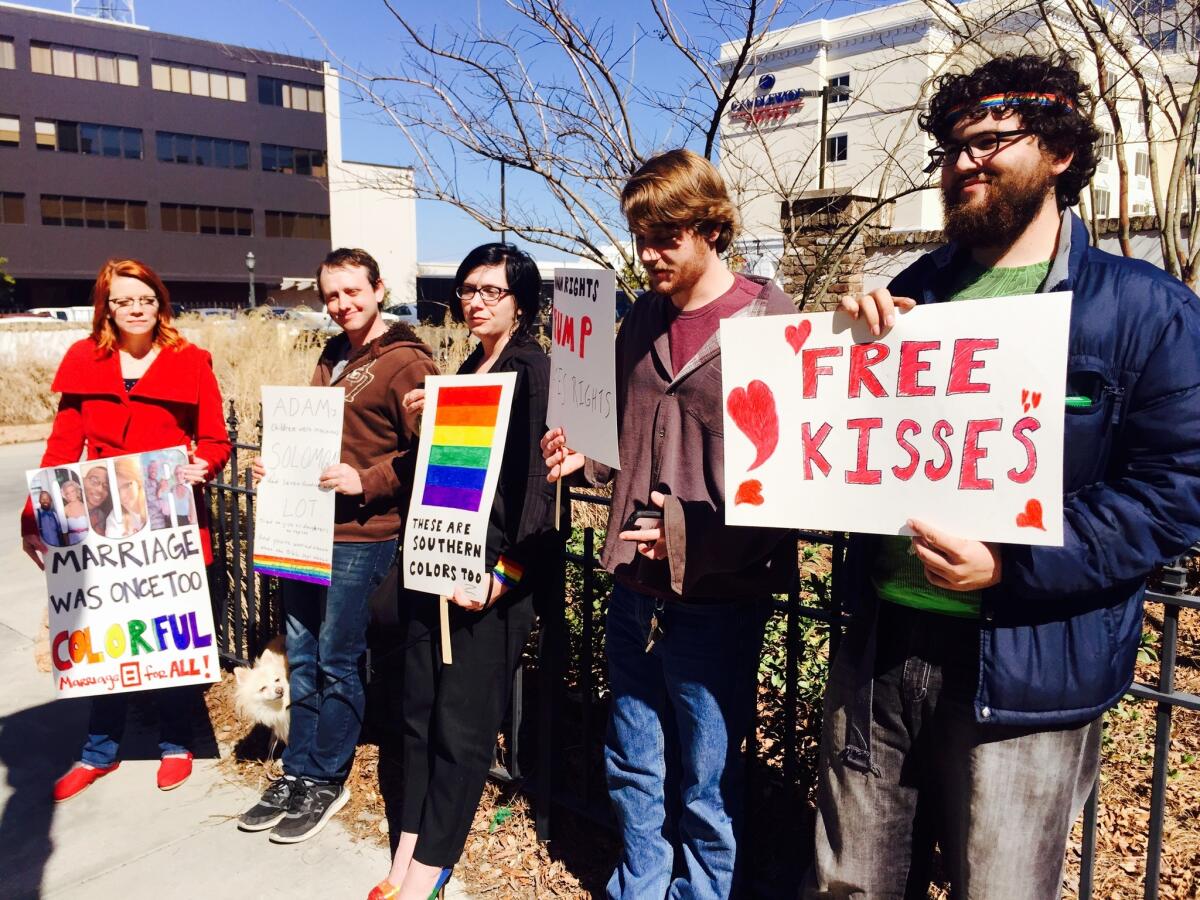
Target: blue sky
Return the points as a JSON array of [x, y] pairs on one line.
[[364, 33]]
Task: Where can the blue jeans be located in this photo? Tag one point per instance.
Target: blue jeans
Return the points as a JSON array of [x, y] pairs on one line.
[[673, 753], [326, 640], [106, 724]]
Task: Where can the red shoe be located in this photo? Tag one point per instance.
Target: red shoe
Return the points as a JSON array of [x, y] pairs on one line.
[[385, 890], [174, 771], [79, 778]]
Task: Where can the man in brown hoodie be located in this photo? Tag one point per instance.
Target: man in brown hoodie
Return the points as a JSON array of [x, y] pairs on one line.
[[326, 627], [685, 621]]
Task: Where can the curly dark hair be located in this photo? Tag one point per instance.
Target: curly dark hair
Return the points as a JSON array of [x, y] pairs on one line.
[[1061, 129]]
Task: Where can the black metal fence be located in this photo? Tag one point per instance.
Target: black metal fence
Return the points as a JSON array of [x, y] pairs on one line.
[[562, 672]]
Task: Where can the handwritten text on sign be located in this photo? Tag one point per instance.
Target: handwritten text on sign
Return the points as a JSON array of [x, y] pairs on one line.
[[954, 417], [583, 362], [125, 580], [463, 432], [293, 517]]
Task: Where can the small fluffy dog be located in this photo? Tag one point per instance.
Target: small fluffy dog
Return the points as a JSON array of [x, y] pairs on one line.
[[261, 692]]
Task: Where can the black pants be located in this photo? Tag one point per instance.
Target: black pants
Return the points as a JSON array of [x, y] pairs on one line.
[[452, 715]]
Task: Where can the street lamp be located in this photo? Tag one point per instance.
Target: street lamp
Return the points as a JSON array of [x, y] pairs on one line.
[[250, 275]]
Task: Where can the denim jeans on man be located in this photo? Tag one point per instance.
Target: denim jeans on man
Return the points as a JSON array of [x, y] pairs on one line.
[[106, 724], [673, 753], [999, 800], [326, 639]]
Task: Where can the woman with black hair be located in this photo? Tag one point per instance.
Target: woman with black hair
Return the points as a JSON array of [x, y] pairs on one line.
[[452, 713]]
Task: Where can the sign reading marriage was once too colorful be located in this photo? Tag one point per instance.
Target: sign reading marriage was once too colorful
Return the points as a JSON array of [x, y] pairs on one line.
[[293, 516], [463, 431], [954, 417], [125, 578]]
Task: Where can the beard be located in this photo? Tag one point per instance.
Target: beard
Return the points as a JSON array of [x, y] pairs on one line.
[[1002, 214]]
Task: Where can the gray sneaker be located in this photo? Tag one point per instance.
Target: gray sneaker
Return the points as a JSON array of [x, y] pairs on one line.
[[272, 806], [311, 806]]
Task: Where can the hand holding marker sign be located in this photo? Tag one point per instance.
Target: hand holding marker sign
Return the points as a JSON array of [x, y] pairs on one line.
[[954, 417]]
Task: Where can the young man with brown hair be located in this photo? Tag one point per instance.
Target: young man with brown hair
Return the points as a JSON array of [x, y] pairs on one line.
[[691, 596], [327, 626], [964, 706]]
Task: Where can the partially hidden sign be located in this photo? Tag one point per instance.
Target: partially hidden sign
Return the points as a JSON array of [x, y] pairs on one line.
[[293, 516], [125, 578], [463, 431], [583, 362], [954, 417]]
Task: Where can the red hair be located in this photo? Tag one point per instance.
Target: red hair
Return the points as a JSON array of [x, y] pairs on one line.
[[104, 332]]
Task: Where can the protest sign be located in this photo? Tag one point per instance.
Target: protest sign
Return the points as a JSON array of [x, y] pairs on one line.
[[125, 577], [953, 417], [464, 426], [583, 381], [293, 517]]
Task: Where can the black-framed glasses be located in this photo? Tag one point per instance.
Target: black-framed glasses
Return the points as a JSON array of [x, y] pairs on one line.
[[978, 146], [130, 302], [489, 293]]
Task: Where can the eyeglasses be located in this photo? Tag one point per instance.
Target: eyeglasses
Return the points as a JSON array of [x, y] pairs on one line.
[[978, 146], [131, 302], [490, 294]]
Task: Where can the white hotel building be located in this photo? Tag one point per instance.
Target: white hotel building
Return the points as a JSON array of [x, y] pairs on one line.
[[886, 59]]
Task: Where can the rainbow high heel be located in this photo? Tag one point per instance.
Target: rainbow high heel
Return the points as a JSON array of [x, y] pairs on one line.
[[439, 889], [385, 890]]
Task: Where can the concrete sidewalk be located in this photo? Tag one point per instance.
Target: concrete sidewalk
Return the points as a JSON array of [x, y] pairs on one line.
[[123, 838]]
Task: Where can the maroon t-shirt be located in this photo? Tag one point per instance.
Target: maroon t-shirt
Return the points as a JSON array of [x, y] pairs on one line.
[[689, 331]]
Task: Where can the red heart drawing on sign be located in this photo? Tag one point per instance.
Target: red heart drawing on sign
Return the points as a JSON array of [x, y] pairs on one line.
[[1036, 398], [1032, 516], [797, 334], [1025, 399], [749, 492], [752, 409]]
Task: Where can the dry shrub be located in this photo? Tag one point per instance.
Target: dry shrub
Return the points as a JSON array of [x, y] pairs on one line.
[[25, 397]]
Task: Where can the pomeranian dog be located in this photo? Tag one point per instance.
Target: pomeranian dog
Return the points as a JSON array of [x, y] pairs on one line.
[[261, 693]]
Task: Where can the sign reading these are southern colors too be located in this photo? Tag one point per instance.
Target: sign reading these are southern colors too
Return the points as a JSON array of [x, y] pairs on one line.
[[463, 430], [954, 417]]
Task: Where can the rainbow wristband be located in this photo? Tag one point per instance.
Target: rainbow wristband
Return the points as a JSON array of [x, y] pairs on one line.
[[508, 573]]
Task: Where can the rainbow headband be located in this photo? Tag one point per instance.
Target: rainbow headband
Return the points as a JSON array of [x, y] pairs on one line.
[[1023, 99]]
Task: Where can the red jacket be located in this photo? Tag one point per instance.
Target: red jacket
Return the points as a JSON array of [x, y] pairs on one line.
[[176, 402]]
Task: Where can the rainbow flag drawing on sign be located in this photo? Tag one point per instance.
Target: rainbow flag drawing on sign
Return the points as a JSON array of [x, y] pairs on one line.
[[296, 569], [464, 428]]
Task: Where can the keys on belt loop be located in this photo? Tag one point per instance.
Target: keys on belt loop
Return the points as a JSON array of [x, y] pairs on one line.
[[656, 630]]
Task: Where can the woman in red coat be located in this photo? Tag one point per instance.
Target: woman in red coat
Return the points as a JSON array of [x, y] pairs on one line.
[[135, 385]]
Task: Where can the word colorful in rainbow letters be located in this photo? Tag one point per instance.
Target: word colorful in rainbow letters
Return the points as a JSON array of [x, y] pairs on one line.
[[583, 368], [954, 417], [465, 424], [293, 517], [126, 585]]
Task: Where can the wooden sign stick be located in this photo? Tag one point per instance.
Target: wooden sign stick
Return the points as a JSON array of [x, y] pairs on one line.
[[444, 616], [557, 504]]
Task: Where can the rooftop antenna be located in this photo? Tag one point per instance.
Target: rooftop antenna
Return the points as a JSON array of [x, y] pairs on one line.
[[110, 10]]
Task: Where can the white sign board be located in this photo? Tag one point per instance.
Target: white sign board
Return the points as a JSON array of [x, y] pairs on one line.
[[463, 431], [125, 577], [293, 517], [583, 368], [954, 417]]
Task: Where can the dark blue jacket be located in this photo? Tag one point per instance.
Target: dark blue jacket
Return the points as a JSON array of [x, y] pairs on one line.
[[1060, 632]]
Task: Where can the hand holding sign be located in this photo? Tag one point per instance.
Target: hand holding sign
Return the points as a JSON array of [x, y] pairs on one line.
[[561, 460], [954, 563], [877, 308]]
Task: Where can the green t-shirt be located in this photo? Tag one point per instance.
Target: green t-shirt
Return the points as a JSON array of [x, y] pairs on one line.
[[898, 575]]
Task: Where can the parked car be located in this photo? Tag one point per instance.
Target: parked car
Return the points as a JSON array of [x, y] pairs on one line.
[[65, 313], [401, 312], [213, 312]]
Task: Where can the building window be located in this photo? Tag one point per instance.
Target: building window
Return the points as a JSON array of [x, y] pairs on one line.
[[290, 94], [842, 96], [88, 138], [197, 150], [297, 225], [1103, 199], [180, 78], [1106, 146], [93, 212], [10, 131], [836, 148], [192, 219], [293, 161], [1141, 165], [12, 209], [1141, 209], [80, 62], [8, 55]]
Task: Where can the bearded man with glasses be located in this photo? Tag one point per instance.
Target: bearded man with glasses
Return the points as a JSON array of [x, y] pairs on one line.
[[964, 706]]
